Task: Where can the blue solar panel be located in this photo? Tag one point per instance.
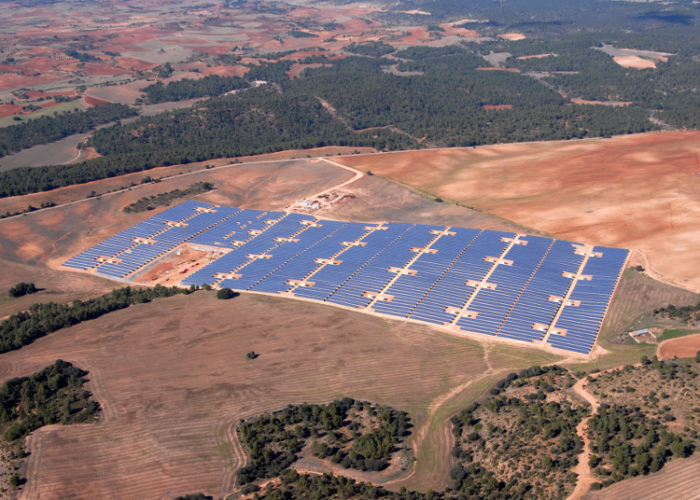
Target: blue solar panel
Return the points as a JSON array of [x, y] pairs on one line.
[[488, 282]]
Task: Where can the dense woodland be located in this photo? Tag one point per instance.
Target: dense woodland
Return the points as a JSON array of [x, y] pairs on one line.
[[52, 396], [355, 434], [164, 199], [43, 318], [52, 128], [188, 88]]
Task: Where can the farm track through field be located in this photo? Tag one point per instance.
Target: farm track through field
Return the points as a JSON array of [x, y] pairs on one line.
[[582, 469]]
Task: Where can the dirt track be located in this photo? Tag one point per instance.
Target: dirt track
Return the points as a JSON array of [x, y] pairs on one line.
[[640, 192]]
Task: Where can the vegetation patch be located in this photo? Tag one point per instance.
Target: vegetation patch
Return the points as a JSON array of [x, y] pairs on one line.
[[521, 441], [21, 289], [687, 314], [165, 199], [650, 414], [354, 434], [55, 395]]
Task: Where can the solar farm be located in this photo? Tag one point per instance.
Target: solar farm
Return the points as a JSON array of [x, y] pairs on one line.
[[541, 291]]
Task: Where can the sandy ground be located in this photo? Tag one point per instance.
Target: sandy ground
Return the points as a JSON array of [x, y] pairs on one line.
[[640, 192], [683, 347], [635, 62]]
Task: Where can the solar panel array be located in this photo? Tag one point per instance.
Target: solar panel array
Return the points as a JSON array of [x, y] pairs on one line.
[[501, 284]]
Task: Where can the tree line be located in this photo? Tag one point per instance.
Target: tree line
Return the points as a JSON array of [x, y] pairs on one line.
[[43, 318]]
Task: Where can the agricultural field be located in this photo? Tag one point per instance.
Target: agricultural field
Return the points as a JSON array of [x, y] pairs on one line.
[[265, 105], [635, 192]]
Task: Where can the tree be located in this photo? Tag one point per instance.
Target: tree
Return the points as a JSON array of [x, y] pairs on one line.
[[21, 289], [226, 293]]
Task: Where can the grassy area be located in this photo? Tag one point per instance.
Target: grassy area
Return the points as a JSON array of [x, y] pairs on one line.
[[673, 333]]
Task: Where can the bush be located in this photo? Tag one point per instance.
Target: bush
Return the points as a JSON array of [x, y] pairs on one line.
[[225, 294], [21, 289]]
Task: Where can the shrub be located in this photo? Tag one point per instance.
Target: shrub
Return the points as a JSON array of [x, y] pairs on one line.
[[225, 294]]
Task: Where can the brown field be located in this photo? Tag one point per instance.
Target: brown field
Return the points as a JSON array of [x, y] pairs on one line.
[[637, 192], [635, 62], [81, 191], [616, 104], [513, 36], [676, 481], [637, 295], [683, 347], [173, 385], [510, 70], [496, 107]]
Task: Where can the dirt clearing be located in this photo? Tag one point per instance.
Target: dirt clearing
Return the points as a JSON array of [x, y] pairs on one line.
[[635, 62], [639, 192]]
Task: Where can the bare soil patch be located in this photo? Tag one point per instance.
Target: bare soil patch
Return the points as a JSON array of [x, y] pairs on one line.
[[512, 36], [683, 347], [637, 192], [616, 104], [635, 62], [510, 70]]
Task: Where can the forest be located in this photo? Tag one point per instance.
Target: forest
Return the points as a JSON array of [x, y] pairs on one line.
[[52, 128], [187, 88], [43, 318], [52, 396], [276, 440]]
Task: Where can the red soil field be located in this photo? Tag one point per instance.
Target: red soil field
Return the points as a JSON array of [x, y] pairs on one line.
[[94, 101], [9, 110], [683, 347], [134, 64], [101, 69], [48, 104]]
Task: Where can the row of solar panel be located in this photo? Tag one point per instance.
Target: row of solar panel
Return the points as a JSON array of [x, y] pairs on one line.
[[421, 272]]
